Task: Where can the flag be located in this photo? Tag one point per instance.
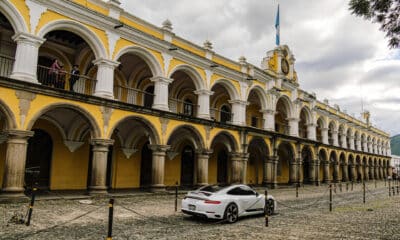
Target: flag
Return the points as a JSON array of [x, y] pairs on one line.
[[277, 27]]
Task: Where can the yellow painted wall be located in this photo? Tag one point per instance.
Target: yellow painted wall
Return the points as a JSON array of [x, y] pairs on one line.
[[126, 172], [172, 171], [92, 6], [68, 170]]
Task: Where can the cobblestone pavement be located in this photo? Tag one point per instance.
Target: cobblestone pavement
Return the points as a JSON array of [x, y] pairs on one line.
[[152, 216]]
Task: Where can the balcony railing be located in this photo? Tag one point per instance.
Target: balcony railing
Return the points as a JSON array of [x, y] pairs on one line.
[[6, 65], [220, 115], [64, 80], [133, 96], [182, 107]]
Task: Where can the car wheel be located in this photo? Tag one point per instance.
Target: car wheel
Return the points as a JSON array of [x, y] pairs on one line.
[[231, 213], [269, 208]]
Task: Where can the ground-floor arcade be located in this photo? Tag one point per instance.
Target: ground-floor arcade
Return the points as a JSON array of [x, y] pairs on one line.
[[72, 145]]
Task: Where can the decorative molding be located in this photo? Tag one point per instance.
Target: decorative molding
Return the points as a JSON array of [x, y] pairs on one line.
[[128, 152], [167, 60], [171, 154], [106, 113], [164, 124], [35, 12], [73, 145], [112, 40], [25, 99]]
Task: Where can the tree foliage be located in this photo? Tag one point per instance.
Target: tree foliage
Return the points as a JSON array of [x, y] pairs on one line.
[[384, 12]]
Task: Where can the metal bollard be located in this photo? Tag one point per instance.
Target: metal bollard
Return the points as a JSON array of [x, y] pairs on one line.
[[347, 186], [364, 192], [297, 190], [389, 190], [340, 187], [28, 221], [393, 191], [265, 207], [176, 196], [110, 218], [352, 185], [334, 187], [330, 197]]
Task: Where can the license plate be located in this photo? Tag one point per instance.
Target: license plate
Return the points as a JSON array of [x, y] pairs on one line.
[[192, 207]]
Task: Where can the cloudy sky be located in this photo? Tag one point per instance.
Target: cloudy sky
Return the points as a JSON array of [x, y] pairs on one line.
[[340, 57]]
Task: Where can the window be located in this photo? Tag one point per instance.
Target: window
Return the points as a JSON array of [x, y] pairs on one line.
[[242, 191], [225, 114], [188, 107]]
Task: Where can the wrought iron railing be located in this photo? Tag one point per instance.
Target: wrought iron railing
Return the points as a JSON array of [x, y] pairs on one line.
[[182, 107], [63, 80], [133, 96], [221, 116], [6, 65]]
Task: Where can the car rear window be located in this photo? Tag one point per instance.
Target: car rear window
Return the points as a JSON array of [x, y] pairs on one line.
[[212, 188]]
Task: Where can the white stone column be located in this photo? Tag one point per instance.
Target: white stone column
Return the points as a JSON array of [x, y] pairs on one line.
[[158, 166], [14, 169], [359, 147], [335, 138], [239, 167], [203, 102], [369, 147], [105, 77], [324, 133], [293, 127], [269, 119], [26, 57], [98, 184], [202, 168], [312, 131], [343, 141], [239, 112], [161, 94]]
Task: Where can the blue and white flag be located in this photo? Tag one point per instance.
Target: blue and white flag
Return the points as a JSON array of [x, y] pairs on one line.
[[277, 27]]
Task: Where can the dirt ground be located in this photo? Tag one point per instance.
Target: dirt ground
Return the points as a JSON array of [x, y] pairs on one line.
[[152, 216]]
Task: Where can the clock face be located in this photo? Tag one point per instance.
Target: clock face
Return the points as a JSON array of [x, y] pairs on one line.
[[285, 66]]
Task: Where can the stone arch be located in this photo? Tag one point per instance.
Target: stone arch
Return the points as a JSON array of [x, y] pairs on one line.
[[89, 36], [10, 121], [86, 115], [287, 104], [153, 136], [16, 20], [194, 137], [286, 173], [230, 88], [146, 55], [228, 140], [258, 152], [262, 95], [307, 157], [192, 73]]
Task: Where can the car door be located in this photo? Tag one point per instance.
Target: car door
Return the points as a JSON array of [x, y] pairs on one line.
[[245, 197]]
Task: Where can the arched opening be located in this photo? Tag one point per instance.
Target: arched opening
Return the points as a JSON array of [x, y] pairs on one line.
[[285, 173], [254, 117], [281, 116], [306, 157], [334, 166], [187, 166], [255, 167], [349, 138], [343, 168], [133, 155], [220, 108], [358, 169], [223, 145], [323, 166], [71, 129], [38, 160], [342, 136], [331, 132], [8, 47], [133, 80], [363, 143], [57, 56], [182, 98], [357, 140], [320, 126], [303, 123], [350, 166], [145, 165]]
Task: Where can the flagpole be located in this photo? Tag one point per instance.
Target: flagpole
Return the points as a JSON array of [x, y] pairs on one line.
[[277, 28]]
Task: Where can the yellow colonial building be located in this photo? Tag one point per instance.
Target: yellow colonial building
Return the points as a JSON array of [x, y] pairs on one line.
[[149, 109]]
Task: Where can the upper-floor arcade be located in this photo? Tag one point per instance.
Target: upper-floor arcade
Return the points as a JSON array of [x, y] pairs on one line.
[[161, 74]]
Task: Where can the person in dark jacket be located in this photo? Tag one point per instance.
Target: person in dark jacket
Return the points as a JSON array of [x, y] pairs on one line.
[[74, 77]]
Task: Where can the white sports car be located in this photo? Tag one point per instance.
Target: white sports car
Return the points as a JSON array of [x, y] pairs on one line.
[[229, 202]]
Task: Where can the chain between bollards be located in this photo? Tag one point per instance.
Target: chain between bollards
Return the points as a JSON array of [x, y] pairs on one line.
[[266, 207], [330, 197], [110, 218], [176, 196], [28, 221]]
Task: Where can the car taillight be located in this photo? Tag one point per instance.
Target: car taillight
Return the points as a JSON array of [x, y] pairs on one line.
[[212, 202]]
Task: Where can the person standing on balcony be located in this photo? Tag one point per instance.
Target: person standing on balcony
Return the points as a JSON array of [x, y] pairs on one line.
[[53, 73], [60, 82], [74, 77]]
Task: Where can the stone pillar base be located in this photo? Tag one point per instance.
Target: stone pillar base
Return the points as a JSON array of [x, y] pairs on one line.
[[157, 188], [97, 190], [12, 195]]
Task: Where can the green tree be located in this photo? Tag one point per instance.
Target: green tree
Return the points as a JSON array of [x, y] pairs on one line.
[[384, 12]]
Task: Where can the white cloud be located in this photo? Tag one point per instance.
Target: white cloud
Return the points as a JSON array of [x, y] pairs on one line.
[[339, 56]]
